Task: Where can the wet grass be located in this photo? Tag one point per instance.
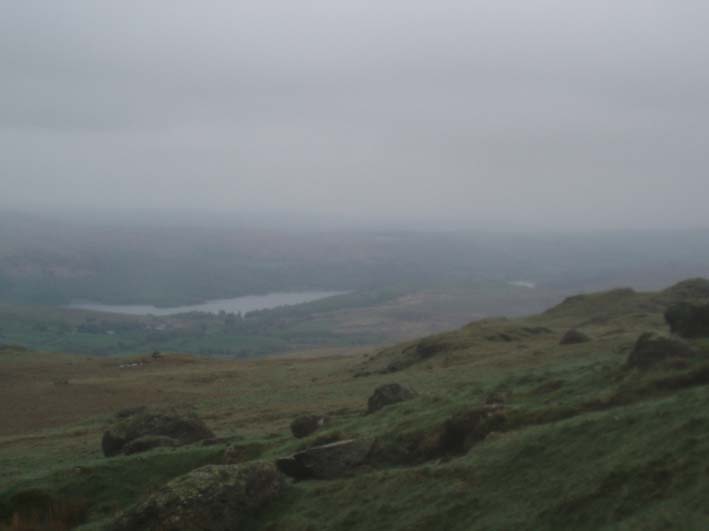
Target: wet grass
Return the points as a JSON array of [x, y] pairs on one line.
[[568, 438]]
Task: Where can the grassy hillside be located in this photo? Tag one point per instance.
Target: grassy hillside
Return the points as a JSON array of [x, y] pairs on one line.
[[571, 437]]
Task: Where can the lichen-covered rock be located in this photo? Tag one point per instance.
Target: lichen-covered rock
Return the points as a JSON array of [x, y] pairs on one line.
[[183, 429], [327, 461], [688, 320], [388, 394], [651, 349], [574, 337], [211, 498], [307, 424]]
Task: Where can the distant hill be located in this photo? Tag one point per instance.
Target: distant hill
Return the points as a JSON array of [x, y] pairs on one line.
[[54, 260]]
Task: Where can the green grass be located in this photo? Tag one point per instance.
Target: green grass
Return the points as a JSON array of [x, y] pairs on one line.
[[581, 443], [621, 469], [110, 484]]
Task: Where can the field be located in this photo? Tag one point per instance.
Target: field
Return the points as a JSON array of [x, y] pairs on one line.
[[582, 440], [365, 317]]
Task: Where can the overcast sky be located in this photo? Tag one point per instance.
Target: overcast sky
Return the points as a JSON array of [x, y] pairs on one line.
[[492, 113]]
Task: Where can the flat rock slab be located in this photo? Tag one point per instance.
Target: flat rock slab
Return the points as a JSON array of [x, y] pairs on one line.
[[327, 461]]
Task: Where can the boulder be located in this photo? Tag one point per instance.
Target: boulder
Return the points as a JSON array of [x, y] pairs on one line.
[[183, 429], [651, 349], [327, 461], [454, 436], [388, 394], [307, 424], [463, 430], [143, 444], [211, 498], [688, 320], [574, 337]]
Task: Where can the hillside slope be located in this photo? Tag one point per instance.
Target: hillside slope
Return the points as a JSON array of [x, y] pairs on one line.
[[509, 429]]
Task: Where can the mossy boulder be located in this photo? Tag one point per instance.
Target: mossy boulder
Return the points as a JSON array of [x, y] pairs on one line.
[[574, 337], [453, 436], [180, 428], [651, 349], [688, 320], [388, 394], [307, 425], [211, 498]]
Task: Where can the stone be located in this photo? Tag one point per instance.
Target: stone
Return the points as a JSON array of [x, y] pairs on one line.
[[688, 320], [210, 498], [388, 394], [651, 349], [327, 461], [184, 429], [574, 337], [307, 424]]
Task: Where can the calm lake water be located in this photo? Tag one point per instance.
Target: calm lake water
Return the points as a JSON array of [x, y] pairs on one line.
[[244, 304]]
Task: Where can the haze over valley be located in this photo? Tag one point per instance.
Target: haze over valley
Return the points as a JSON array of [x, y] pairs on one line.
[[349, 266]]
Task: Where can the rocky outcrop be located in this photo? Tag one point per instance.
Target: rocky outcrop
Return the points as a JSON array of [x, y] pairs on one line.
[[388, 394], [211, 498], [651, 349], [327, 461], [307, 425], [688, 320], [159, 426], [574, 337]]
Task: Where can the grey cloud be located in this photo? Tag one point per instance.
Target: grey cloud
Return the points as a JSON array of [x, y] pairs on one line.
[[545, 114]]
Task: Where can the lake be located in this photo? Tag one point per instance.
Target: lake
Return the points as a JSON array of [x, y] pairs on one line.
[[247, 303]]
